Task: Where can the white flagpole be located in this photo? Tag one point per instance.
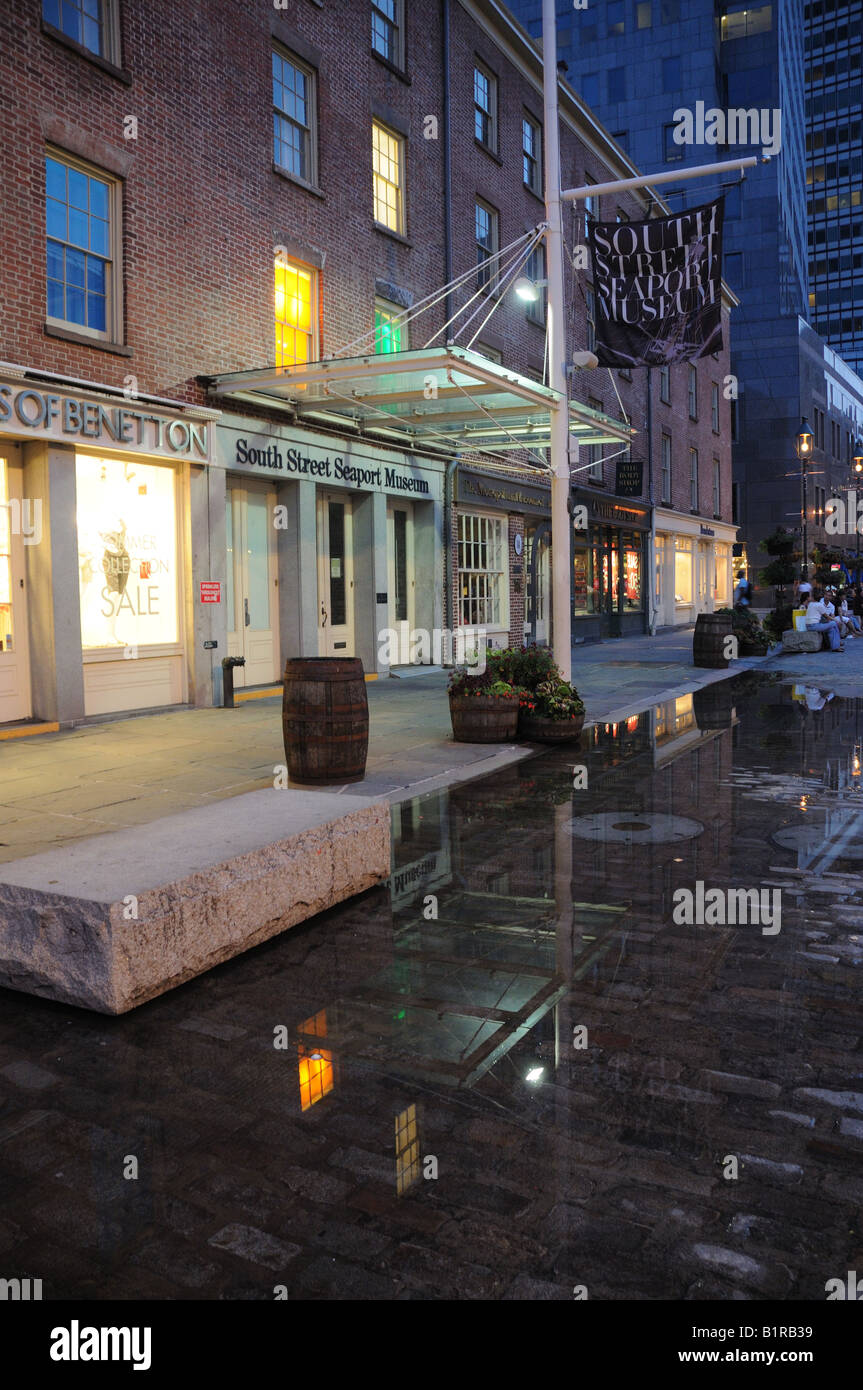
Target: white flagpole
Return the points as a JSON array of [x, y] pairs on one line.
[[559, 439]]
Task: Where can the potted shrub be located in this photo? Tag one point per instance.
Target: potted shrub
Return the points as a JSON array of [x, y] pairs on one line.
[[752, 640], [482, 709], [552, 713]]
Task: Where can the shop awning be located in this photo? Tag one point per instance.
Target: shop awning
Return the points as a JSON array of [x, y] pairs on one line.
[[448, 399]]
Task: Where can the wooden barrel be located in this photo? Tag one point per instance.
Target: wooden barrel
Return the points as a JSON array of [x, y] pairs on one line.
[[708, 645], [483, 719], [325, 719]]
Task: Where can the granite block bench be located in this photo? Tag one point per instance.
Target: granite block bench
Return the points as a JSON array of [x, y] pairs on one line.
[[111, 921]]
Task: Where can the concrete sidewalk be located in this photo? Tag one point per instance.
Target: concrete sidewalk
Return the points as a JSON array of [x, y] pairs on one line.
[[127, 772]]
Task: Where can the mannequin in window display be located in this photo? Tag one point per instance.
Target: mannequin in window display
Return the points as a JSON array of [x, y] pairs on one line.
[[112, 570]]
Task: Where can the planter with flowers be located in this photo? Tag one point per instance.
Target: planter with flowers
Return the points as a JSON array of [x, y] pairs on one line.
[[557, 715], [482, 709]]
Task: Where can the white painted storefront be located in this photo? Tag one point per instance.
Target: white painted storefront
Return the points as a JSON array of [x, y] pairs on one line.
[[692, 567]]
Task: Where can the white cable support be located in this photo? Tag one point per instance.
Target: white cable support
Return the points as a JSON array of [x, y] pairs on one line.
[[430, 300], [516, 264], [518, 257], [498, 426]]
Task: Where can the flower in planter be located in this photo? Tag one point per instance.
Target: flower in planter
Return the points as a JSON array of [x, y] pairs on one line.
[[558, 699]]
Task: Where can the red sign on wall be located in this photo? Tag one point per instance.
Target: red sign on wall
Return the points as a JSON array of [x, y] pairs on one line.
[[211, 591]]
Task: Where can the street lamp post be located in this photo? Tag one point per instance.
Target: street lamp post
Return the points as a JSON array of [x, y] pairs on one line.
[[559, 436], [559, 440], [804, 453]]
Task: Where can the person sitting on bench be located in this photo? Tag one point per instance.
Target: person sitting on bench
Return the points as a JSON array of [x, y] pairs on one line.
[[817, 620]]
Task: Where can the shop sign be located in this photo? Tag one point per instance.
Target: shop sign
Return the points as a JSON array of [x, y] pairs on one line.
[[100, 425], [707, 531], [501, 494], [629, 477], [294, 461], [211, 591], [606, 511]]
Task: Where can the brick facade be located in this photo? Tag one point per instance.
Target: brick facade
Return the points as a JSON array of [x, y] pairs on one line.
[[204, 207]]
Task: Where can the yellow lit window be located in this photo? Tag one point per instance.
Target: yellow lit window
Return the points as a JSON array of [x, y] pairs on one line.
[[296, 313], [317, 1072], [407, 1150], [389, 204]]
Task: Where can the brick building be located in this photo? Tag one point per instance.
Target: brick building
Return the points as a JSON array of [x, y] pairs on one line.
[[191, 198]]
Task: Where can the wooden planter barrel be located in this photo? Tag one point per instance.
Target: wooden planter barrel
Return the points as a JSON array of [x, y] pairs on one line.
[[483, 719], [711, 630], [325, 719], [537, 729]]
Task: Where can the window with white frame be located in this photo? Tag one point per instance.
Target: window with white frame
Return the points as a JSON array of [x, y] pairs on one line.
[[391, 330], [485, 106], [82, 214], [714, 407], [594, 451], [717, 510], [591, 202], [388, 30], [590, 303], [487, 235], [531, 154], [294, 116], [483, 595], [296, 312], [693, 479], [665, 460], [693, 393], [665, 385], [90, 23], [389, 177], [534, 269]]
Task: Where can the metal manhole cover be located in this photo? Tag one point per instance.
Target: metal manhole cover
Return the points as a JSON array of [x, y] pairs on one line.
[[627, 827], [811, 838]]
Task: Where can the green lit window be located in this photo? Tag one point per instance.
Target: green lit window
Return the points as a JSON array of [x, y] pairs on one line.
[[390, 328]]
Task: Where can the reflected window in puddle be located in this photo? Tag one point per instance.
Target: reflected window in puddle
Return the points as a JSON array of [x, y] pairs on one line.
[[316, 1066], [407, 1150]]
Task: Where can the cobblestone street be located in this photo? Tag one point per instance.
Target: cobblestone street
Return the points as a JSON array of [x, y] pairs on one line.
[[547, 1085]]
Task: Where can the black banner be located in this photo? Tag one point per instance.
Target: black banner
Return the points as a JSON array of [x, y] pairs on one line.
[[630, 478], [657, 286]]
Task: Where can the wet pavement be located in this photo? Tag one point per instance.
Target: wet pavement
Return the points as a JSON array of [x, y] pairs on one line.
[[510, 1074]]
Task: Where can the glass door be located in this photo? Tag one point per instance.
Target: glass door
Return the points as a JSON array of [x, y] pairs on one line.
[[335, 576], [252, 585], [14, 664], [400, 577]]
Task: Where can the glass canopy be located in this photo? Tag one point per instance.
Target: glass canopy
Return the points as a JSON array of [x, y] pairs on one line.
[[449, 399]]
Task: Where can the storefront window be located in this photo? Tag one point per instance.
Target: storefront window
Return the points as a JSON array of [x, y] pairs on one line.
[[660, 563], [7, 638], [483, 598], [587, 592], [720, 580], [631, 571], [682, 570], [127, 553]]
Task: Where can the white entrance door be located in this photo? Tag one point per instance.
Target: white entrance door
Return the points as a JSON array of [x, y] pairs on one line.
[[15, 521], [335, 575], [252, 584], [400, 576]]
